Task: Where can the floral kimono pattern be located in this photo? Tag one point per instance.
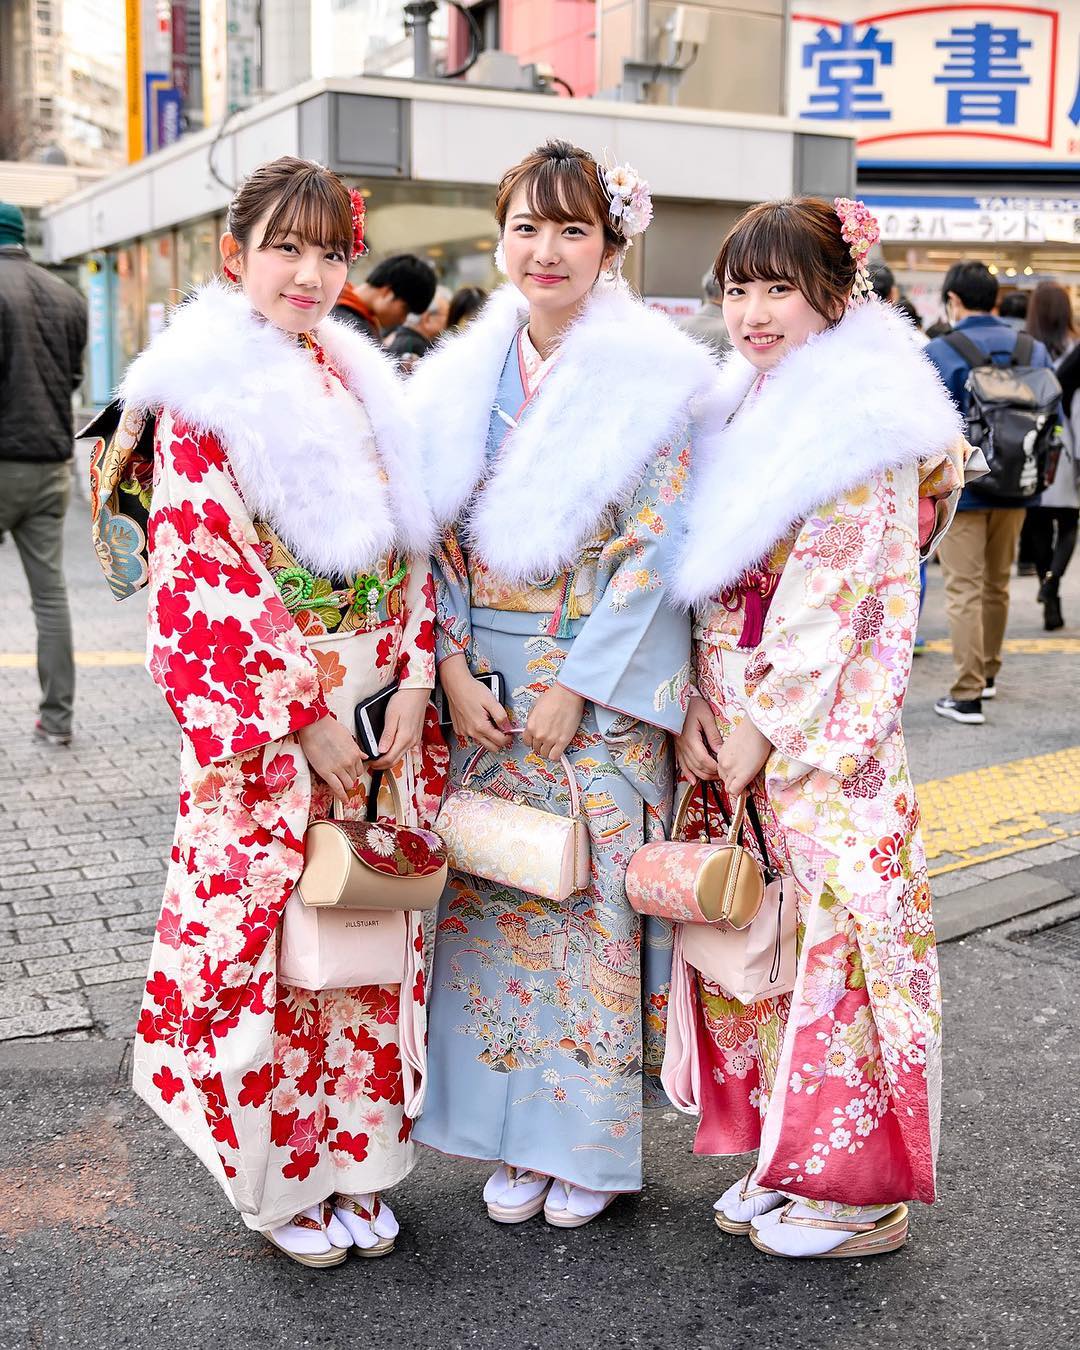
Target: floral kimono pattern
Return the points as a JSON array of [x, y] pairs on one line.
[[286, 1095], [545, 1018], [837, 1083]]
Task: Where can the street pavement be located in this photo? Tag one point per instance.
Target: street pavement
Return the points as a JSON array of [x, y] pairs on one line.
[[110, 1234]]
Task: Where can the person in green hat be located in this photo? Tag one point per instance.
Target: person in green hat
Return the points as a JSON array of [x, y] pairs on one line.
[[42, 336]]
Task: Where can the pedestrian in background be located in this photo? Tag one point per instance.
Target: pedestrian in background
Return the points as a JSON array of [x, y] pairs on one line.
[[42, 337], [467, 302], [1050, 527], [1012, 309], [826, 436], [904, 305], [977, 553], [414, 338], [395, 288], [1050, 319], [707, 325]]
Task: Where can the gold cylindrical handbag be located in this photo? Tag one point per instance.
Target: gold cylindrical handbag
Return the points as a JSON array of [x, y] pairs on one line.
[[372, 864], [701, 881]]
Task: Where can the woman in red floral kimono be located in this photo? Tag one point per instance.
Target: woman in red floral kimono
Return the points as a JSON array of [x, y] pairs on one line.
[[288, 540]]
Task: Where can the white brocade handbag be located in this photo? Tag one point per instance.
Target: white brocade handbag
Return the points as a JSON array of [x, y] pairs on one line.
[[513, 844]]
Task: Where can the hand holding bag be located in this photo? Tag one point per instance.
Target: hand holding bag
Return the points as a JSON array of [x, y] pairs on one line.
[[514, 844]]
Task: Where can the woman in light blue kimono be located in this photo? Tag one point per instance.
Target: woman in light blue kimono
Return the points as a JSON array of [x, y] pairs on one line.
[[557, 451]]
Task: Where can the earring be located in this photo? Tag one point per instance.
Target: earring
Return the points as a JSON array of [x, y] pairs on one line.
[[230, 275]]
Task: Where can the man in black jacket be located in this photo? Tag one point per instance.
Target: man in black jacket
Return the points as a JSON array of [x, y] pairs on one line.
[[42, 336]]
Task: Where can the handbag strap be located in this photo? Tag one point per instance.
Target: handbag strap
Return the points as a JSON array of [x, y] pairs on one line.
[[371, 815], [743, 809], [705, 789], [567, 768]]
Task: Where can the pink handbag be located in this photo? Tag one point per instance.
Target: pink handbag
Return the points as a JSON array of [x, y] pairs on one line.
[[344, 923], [513, 844], [337, 948], [736, 925], [701, 880], [749, 963]]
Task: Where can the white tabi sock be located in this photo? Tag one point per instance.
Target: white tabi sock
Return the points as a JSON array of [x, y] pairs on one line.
[[336, 1231], [511, 1188], [797, 1240], [734, 1207], [304, 1241], [587, 1204], [557, 1196], [363, 1232]]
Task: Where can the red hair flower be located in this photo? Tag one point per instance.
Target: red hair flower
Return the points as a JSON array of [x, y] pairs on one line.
[[359, 215]]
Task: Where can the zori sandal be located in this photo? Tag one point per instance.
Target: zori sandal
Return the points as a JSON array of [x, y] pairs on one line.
[[372, 1226], [870, 1238], [575, 1206], [513, 1195], [303, 1240]]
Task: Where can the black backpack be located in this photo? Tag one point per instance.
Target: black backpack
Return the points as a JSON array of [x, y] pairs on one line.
[[1012, 418]]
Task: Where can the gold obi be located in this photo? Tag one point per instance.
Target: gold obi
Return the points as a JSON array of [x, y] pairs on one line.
[[322, 605], [571, 591]]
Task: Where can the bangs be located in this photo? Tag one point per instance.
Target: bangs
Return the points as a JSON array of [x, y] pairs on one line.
[[762, 250], [316, 210], [560, 191]]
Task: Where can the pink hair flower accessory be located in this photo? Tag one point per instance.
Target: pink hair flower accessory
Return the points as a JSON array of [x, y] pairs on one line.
[[630, 205], [359, 216], [860, 231]]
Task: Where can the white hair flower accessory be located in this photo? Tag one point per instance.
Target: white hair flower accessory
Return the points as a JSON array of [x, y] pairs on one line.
[[630, 201]]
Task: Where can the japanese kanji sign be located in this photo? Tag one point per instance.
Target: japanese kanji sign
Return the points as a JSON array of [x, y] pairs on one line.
[[937, 82]]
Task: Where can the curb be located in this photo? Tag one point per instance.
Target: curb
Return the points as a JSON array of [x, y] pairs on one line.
[[985, 904], [90, 1057]]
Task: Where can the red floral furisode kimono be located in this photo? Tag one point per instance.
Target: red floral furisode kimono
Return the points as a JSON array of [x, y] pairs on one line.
[[267, 611]]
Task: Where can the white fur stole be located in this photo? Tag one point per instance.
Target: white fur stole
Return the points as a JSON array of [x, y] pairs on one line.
[[853, 401], [620, 390], [293, 446]]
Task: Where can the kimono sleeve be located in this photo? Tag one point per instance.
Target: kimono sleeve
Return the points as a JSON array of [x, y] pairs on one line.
[[453, 598], [941, 480], [416, 657], [827, 682], [221, 646], [632, 654]]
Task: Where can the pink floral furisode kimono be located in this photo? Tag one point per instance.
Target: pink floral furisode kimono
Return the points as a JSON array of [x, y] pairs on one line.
[[288, 578], [801, 563]]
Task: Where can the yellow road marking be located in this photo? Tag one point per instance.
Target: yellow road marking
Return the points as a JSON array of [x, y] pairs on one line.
[[1002, 809], [27, 660], [1033, 646]]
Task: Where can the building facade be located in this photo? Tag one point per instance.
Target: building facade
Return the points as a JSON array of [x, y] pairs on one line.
[[61, 82], [967, 119], [428, 157]]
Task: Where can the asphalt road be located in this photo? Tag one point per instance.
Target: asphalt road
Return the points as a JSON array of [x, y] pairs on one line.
[[111, 1235]]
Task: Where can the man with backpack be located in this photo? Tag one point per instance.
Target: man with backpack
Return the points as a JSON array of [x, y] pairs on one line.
[[1002, 382]]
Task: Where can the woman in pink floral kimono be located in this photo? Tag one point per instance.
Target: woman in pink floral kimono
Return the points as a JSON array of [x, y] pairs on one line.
[[288, 574], [831, 453]]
